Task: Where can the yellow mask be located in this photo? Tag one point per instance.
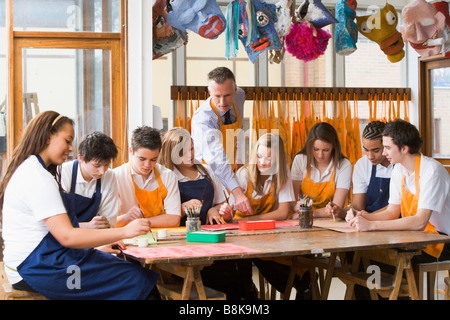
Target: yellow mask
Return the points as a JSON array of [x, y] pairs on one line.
[[381, 28]]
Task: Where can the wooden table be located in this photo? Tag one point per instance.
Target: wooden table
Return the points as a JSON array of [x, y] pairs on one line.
[[295, 242]]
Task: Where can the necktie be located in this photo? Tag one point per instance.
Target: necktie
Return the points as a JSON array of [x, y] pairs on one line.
[[227, 118]]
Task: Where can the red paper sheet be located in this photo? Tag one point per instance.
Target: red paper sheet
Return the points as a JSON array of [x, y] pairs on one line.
[[187, 251], [231, 226]]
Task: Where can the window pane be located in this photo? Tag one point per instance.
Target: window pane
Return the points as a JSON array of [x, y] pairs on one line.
[[161, 86], [67, 15], [3, 88], [73, 82], [292, 72], [440, 116], [203, 55]]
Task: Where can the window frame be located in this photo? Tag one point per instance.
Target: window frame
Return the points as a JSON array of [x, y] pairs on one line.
[[16, 40]]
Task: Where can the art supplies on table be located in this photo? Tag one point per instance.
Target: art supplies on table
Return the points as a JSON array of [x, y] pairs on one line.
[[206, 236], [305, 212], [201, 250], [193, 222], [150, 237], [256, 224]]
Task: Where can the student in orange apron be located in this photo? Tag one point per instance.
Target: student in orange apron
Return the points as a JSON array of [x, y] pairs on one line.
[[419, 190], [321, 171], [217, 131], [146, 188], [200, 186], [266, 182], [54, 256]]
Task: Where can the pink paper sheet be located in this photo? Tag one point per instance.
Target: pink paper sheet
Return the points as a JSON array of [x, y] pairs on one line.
[[231, 226], [187, 251]]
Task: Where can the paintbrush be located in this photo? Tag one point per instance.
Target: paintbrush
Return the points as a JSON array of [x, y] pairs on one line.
[[332, 211], [143, 217]]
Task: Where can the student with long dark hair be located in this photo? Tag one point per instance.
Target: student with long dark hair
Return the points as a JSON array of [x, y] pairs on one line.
[[45, 250]]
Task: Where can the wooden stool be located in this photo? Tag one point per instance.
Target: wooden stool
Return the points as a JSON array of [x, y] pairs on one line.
[[447, 288], [429, 270], [7, 292]]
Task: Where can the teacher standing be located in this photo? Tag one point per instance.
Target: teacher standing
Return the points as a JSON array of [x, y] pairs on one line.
[[217, 131]]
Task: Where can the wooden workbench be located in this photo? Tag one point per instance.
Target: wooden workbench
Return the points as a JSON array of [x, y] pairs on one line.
[[295, 242]]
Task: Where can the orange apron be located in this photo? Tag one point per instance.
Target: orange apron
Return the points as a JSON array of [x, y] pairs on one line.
[[409, 204], [263, 205], [321, 192], [229, 145], [151, 202]]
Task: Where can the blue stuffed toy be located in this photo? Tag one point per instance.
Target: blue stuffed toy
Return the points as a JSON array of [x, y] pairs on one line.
[[346, 31]]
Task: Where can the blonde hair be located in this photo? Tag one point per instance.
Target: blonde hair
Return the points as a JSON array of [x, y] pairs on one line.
[[279, 164], [172, 150]]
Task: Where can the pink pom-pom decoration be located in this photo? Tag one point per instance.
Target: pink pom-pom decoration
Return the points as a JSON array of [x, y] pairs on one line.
[[306, 42]]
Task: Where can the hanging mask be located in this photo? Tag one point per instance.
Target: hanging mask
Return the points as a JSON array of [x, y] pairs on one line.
[[283, 27], [442, 6], [422, 27], [346, 31], [256, 27], [284, 20], [315, 12], [204, 17], [381, 28], [165, 38]]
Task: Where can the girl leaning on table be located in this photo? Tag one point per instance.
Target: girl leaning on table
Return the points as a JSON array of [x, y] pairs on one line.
[[321, 171], [267, 183], [200, 186], [45, 250]]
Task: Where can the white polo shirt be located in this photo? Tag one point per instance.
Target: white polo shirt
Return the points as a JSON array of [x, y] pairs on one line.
[[362, 172], [342, 178], [128, 198], [32, 195], [110, 203], [286, 193], [434, 189], [219, 189]]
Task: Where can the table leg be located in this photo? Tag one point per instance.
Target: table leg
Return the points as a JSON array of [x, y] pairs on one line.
[[328, 278], [193, 276]]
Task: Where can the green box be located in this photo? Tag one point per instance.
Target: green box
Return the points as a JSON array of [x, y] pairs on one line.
[[206, 236]]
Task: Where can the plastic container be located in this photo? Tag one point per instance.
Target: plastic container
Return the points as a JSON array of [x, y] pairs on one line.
[[206, 236], [256, 224]]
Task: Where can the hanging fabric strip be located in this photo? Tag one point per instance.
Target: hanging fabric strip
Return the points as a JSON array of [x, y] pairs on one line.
[[406, 107]]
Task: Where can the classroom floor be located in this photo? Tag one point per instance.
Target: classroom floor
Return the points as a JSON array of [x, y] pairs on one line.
[[337, 289]]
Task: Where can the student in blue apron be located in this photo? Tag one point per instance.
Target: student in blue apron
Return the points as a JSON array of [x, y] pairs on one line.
[[45, 250], [200, 186], [371, 178], [92, 183], [372, 172]]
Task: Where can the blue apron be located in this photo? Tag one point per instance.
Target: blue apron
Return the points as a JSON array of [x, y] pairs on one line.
[[377, 192], [86, 208], [55, 271], [201, 189]]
